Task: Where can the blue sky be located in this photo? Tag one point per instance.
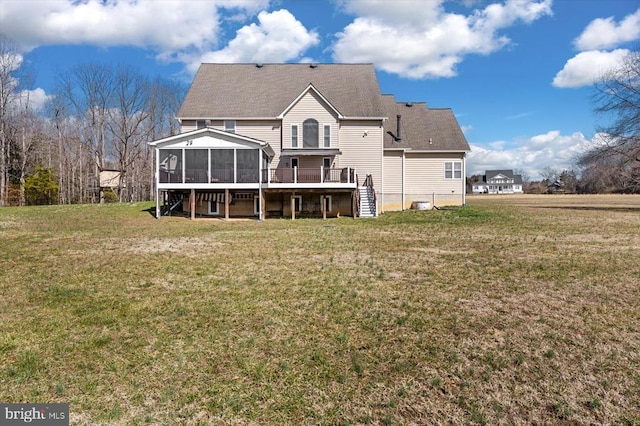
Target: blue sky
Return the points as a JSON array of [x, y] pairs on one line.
[[518, 74]]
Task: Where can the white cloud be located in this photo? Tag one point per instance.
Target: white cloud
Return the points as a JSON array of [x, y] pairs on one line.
[[587, 67], [418, 39], [606, 34], [36, 99], [166, 26], [532, 155], [594, 61], [277, 37]]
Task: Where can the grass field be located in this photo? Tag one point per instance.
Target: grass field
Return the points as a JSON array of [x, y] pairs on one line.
[[513, 310]]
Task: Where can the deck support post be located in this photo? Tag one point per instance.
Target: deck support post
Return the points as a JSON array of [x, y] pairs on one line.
[[293, 206], [324, 207], [263, 205], [192, 203], [354, 207], [226, 204], [158, 195]]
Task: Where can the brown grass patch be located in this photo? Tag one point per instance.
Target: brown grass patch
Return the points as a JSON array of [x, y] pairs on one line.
[[513, 310]]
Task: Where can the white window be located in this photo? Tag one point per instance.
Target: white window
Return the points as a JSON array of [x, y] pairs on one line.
[[297, 202], [310, 133], [327, 136], [230, 126], [294, 136], [328, 198], [453, 169], [214, 207]]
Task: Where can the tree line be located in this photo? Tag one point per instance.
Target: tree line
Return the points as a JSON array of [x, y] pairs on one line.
[[101, 117], [612, 163], [98, 117]]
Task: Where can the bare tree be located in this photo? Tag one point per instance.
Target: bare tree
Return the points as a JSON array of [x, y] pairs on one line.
[[10, 62], [617, 98], [523, 174], [114, 112], [87, 94], [128, 123], [549, 174]]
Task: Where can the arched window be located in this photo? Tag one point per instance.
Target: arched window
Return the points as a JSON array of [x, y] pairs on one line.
[[310, 133]]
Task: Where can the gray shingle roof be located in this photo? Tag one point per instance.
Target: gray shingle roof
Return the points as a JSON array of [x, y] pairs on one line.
[[422, 128], [246, 90], [489, 174]]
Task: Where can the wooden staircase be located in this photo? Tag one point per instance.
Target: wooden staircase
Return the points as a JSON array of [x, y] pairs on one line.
[[174, 201], [367, 199]]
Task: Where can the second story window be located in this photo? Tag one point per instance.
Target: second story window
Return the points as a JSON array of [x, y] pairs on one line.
[[294, 136], [200, 124], [453, 169], [327, 136], [230, 126], [310, 133]]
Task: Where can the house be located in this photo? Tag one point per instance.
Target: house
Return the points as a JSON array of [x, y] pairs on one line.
[[498, 182], [274, 140], [109, 183]]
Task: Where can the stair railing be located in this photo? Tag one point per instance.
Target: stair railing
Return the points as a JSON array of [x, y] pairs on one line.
[[368, 183], [357, 195]]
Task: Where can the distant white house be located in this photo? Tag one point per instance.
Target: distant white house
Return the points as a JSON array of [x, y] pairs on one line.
[[498, 182]]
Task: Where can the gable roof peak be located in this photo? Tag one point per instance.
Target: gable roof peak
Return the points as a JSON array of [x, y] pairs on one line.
[[308, 89], [248, 91]]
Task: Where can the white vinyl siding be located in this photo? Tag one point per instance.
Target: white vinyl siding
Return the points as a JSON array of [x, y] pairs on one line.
[[263, 130], [393, 181], [393, 172], [362, 152], [309, 106], [425, 179]]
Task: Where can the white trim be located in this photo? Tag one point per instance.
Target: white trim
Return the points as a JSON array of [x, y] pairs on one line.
[[404, 179], [299, 197], [156, 180], [301, 95], [194, 134], [324, 136], [297, 145], [464, 181], [453, 169], [329, 206]]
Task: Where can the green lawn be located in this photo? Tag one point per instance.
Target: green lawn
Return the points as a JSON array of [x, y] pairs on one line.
[[501, 312]]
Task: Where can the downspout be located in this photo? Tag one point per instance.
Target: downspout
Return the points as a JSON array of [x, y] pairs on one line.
[[464, 179], [260, 186], [380, 209], [403, 178], [156, 180]]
